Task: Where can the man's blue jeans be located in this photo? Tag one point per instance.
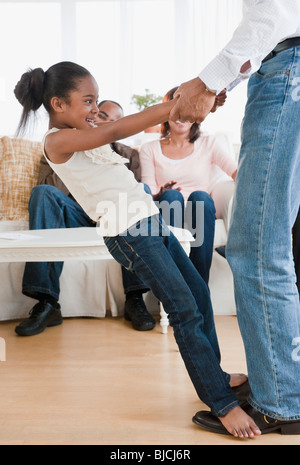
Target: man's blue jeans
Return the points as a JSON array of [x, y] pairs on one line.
[[259, 247], [199, 217], [153, 253], [296, 249], [50, 208]]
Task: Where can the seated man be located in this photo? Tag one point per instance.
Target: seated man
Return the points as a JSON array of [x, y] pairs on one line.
[[52, 206]]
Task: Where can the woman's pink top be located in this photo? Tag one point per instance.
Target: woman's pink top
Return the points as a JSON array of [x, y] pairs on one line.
[[191, 173]]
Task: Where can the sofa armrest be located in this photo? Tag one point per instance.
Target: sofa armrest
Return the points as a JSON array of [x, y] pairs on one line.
[[19, 168]]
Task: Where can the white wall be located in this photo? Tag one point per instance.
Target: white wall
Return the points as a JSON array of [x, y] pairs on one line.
[[128, 45]]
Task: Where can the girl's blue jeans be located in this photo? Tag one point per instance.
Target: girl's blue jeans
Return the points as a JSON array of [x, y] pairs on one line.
[[259, 247], [154, 254]]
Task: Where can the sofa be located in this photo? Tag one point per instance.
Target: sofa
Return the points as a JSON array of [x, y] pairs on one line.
[[90, 288]]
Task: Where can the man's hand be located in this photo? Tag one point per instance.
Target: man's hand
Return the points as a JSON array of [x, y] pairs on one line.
[[195, 102]]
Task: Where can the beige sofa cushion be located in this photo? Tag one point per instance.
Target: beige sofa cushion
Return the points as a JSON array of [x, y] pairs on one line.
[[19, 168]]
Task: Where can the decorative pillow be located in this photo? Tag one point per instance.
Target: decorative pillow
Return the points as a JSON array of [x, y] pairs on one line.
[[19, 168]]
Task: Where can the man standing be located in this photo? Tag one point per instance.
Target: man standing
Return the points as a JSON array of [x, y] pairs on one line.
[[266, 48]]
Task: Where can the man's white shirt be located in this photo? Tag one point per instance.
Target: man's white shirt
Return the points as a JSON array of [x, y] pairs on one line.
[[265, 23]]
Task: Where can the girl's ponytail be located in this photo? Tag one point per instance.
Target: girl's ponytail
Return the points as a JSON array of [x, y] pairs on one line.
[[29, 92], [37, 87]]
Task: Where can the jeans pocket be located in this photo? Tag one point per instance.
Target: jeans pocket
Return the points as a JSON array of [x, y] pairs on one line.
[[261, 74], [118, 253], [278, 66]]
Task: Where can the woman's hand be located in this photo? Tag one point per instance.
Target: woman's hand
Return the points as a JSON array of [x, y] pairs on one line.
[[167, 186]]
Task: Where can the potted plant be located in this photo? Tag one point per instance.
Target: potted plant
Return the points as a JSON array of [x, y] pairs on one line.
[[144, 101]]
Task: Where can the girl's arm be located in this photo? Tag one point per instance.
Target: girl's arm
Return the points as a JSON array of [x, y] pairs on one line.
[[61, 145]]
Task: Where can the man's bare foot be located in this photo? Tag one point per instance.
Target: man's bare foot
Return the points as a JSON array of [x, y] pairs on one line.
[[239, 424], [236, 379]]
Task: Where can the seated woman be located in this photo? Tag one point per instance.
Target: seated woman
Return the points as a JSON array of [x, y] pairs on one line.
[[178, 170]]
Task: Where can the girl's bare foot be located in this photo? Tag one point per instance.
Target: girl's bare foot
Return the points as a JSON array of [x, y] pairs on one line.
[[239, 424], [236, 421], [236, 379]]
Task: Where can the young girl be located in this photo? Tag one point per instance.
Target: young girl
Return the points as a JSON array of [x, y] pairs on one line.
[[136, 236]]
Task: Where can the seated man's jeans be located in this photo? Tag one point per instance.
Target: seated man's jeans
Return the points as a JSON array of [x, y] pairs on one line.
[[198, 216], [259, 247], [153, 253], [50, 208]]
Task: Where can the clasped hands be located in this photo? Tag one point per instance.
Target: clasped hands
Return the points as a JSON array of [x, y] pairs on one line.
[[195, 102]]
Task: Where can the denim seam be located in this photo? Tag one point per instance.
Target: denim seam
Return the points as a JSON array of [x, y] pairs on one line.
[[229, 407]]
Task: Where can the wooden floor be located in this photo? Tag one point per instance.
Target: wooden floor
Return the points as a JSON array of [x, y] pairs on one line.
[[97, 381]]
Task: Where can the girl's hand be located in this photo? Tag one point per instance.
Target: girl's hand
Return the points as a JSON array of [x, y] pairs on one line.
[[219, 101]]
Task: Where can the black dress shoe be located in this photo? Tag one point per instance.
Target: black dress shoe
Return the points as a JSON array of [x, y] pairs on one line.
[[242, 393], [209, 422], [266, 424], [43, 314], [136, 312], [221, 250], [270, 425]]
